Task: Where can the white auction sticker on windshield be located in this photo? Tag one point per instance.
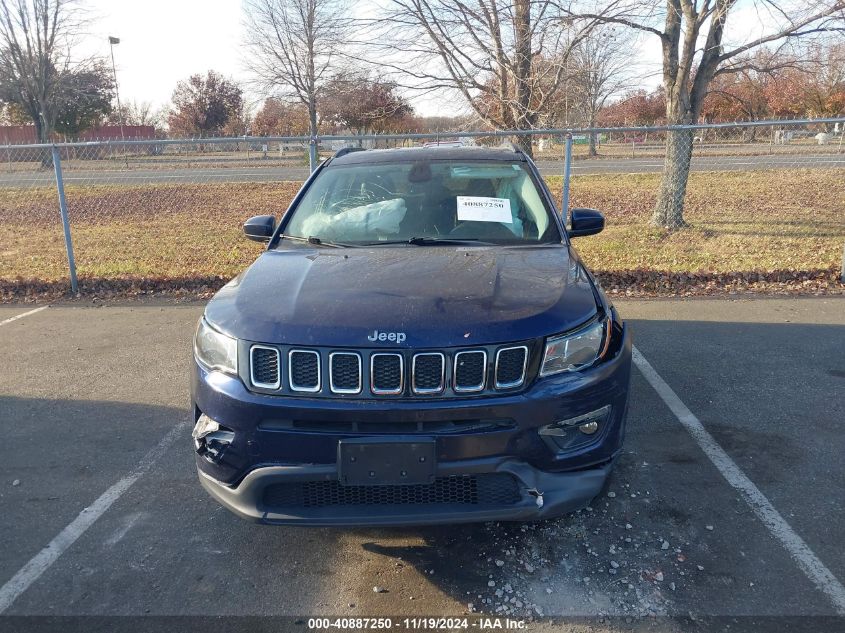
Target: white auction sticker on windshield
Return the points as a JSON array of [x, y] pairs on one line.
[[481, 209]]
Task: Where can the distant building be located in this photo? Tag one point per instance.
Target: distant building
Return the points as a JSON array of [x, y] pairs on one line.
[[25, 134]]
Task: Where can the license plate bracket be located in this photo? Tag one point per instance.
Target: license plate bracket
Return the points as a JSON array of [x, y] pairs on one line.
[[386, 461]]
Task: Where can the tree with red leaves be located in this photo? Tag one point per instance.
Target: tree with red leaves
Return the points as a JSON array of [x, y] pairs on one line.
[[280, 118], [203, 106], [363, 104], [636, 108]]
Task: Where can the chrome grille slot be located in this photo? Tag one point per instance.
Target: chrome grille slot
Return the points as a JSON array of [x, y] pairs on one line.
[[510, 366], [470, 371], [264, 366], [386, 374], [304, 370], [345, 372], [428, 373]]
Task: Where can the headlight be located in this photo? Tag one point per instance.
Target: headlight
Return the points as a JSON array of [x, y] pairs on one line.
[[570, 352], [215, 350]]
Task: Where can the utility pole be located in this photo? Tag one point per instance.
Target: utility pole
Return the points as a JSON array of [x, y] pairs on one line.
[[112, 41]]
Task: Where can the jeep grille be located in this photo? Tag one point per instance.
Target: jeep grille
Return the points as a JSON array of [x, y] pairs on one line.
[[378, 373]]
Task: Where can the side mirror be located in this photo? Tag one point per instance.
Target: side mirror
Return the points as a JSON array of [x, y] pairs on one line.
[[260, 228], [586, 222]]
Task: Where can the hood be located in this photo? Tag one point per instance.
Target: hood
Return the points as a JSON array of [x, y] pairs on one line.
[[437, 296]]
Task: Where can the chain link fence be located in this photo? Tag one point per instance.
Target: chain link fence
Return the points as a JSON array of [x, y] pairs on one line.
[[763, 207]]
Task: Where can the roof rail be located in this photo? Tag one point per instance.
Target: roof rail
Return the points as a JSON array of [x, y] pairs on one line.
[[343, 151]]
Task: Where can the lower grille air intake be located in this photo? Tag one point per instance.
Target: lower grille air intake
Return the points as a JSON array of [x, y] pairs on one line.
[[486, 489]]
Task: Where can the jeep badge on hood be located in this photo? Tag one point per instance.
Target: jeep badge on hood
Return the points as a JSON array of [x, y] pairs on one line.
[[398, 337]]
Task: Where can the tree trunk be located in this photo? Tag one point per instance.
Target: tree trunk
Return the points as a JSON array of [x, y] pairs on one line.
[[42, 134], [592, 136], [523, 142], [312, 116], [669, 209], [522, 51], [313, 150]]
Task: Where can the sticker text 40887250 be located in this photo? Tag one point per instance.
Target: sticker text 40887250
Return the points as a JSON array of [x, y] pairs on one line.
[[483, 209]]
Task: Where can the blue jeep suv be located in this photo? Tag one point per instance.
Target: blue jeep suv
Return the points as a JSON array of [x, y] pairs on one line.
[[419, 343]]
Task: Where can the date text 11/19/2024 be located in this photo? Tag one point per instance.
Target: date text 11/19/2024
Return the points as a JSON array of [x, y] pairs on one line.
[[482, 623]]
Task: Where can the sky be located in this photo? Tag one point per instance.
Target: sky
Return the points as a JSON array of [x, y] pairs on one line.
[[165, 41]]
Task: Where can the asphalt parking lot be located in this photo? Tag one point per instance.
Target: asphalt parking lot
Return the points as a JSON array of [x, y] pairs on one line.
[[102, 514]]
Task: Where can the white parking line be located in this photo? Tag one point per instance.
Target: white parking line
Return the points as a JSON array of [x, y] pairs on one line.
[[39, 563], [20, 316], [800, 552]]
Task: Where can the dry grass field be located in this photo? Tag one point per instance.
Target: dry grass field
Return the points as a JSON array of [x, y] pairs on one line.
[[739, 222]]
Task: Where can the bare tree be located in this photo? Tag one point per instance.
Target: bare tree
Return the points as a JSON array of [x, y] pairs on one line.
[[292, 45], [602, 68], [36, 41], [139, 113], [692, 34], [506, 58]]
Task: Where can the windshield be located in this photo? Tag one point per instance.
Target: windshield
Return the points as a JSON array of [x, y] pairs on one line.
[[427, 200]]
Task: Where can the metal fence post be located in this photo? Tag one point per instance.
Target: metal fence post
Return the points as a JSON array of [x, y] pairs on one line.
[[567, 168], [60, 187], [842, 275], [312, 154]]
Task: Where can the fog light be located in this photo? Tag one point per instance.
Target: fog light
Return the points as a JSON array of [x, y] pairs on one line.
[[211, 439], [589, 428], [562, 436]]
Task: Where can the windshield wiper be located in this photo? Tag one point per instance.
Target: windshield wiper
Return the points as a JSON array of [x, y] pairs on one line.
[[431, 241], [315, 240], [425, 241]]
